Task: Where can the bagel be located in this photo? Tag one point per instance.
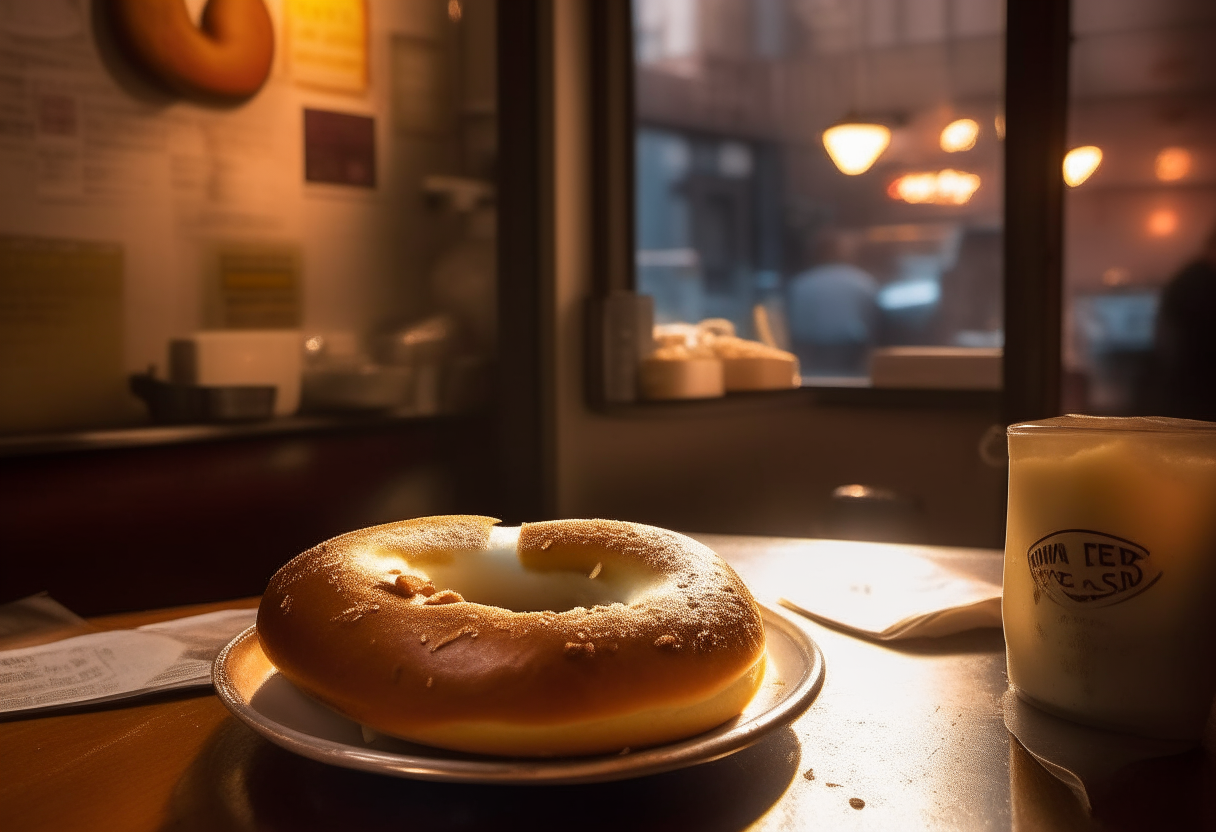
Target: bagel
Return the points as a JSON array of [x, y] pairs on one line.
[[228, 56], [564, 637], [751, 365]]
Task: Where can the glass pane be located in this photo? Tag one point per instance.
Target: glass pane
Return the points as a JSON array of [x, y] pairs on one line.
[[836, 164], [324, 232], [1140, 255]]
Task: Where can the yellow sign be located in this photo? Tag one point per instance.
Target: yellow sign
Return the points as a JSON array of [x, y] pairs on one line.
[[258, 287], [327, 44], [61, 335]]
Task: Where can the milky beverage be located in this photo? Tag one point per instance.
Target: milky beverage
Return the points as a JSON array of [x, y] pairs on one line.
[[1110, 571]]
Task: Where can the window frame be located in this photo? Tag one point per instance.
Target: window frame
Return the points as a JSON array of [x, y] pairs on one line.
[[1037, 36]]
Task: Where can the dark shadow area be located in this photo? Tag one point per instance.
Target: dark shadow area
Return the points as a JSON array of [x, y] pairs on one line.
[[113, 54], [1175, 793], [146, 527], [1179, 378], [239, 781], [1038, 801], [117, 704]]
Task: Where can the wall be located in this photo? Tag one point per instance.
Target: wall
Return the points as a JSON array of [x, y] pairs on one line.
[[90, 151]]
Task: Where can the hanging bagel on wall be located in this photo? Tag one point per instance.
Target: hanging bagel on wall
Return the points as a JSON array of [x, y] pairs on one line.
[[227, 56]]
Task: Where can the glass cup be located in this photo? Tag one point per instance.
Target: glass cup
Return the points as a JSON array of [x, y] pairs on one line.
[[1110, 571]]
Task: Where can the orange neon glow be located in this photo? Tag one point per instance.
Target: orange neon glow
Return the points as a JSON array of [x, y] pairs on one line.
[[1172, 164], [959, 134], [1162, 222], [1080, 164], [946, 187]]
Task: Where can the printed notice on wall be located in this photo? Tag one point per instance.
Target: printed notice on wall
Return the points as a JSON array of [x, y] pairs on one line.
[[327, 44], [422, 87], [256, 286], [339, 148], [61, 336]]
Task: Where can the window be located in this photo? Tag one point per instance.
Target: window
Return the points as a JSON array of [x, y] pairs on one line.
[[831, 166], [1140, 279]]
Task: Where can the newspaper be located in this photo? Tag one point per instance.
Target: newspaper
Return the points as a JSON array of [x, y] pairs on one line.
[[119, 664], [36, 620]]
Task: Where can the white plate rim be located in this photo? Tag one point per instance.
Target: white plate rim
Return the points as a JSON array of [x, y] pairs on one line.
[[712, 745]]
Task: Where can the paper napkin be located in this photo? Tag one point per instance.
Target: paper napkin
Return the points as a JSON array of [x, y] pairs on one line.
[[897, 592]]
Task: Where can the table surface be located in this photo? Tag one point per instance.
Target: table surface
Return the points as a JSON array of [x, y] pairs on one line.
[[905, 736]]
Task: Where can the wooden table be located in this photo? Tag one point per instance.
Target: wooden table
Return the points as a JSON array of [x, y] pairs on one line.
[[903, 737]]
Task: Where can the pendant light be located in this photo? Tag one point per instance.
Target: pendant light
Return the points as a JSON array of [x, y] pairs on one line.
[[855, 145], [1080, 163], [959, 135]]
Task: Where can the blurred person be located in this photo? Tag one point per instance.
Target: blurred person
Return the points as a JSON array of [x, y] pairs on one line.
[[1182, 382], [969, 314], [833, 314]]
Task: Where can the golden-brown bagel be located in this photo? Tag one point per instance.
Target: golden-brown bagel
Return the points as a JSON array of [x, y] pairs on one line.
[[561, 637], [228, 56]]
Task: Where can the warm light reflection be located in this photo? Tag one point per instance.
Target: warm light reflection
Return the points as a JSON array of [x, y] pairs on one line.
[[854, 147], [1080, 164], [1172, 164], [998, 124], [914, 187], [946, 187], [959, 135], [454, 11], [1162, 222]]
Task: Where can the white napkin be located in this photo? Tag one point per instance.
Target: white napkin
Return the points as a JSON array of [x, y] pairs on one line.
[[897, 592]]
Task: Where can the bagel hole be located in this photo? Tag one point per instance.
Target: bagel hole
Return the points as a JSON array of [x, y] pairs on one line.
[[496, 577]]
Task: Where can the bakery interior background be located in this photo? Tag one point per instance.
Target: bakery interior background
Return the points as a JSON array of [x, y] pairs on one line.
[[300, 206], [355, 199]]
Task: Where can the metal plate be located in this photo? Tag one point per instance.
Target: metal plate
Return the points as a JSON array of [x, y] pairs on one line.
[[253, 690]]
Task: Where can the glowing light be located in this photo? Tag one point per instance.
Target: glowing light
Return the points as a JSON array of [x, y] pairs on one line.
[[956, 187], [998, 124], [959, 135], [854, 147], [1080, 164], [914, 187], [1162, 223], [946, 187], [904, 294], [1173, 163], [454, 11]]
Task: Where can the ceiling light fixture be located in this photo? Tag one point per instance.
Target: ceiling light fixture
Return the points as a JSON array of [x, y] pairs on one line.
[[1080, 164], [946, 187], [855, 145], [959, 135]]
